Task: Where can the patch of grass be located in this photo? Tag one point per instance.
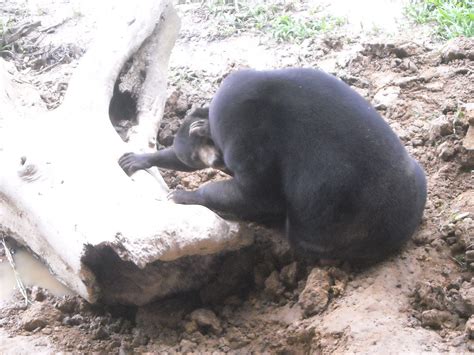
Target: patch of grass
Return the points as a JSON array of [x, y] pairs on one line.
[[275, 19], [230, 19], [452, 18], [289, 28]]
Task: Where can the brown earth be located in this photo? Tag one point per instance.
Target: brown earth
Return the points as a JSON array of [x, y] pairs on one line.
[[264, 301]]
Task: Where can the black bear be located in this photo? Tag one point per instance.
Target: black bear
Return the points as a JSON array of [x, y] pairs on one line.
[[304, 147]]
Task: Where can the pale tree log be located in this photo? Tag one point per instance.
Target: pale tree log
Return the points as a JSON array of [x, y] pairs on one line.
[[63, 194]]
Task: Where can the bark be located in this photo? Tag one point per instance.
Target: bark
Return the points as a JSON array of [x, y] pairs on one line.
[[62, 193]]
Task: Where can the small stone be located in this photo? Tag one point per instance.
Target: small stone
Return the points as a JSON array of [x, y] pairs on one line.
[[67, 304], [457, 48], [206, 320], [446, 151], [406, 49], [440, 127], [315, 295], [386, 97], [33, 324], [289, 274], [468, 110], [468, 141], [47, 331], [406, 81], [186, 346], [469, 256], [38, 294], [470, 327], [449, 106], [190, 327], [76, 319], [423, 237], [101, 334], [447, 230], [467, 294], [458, 341], [38, 315], [273, 286], [437, 319]]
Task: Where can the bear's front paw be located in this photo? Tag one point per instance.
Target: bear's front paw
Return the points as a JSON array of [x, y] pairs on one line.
[[183, 197], [131, 162]]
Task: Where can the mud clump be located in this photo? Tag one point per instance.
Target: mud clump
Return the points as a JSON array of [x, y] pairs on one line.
[[315, 295], [176, 107], [39, 315], [444, 307]]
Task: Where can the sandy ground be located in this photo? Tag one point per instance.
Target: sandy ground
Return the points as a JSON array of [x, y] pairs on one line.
[[418, 301]]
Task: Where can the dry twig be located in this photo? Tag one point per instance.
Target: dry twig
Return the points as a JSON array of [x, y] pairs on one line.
[[19, 283]]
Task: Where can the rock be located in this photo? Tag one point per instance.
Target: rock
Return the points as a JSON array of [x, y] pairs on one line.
[[430, 296], [206, 320], [281, 251], [457, 48], [186, 346], [38, 294], [76, 319], [407, 81], [423, 236], [39, 315], [273, 286], [33, 324], [408, 65], [469, 256], [446, 151], [386, 97], [406, 49], [67, 304], [101, 334], [315, 295], [440, 127], [468, 110], [437, 319], [468, 145], [470, 328], [467, 294], [289, 275], [190, 327], [435, 86]]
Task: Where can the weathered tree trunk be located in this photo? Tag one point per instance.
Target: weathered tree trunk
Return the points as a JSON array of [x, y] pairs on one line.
[[63, 194]]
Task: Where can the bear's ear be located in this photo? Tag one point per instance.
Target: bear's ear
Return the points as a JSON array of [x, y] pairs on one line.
[[199, 128]]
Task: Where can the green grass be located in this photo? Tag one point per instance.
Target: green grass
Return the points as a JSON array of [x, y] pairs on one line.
[[452, 18], [274, 19], [288, 28]]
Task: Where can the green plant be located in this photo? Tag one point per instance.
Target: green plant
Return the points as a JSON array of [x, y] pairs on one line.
[[287, 27], [273, 18], [452, 18]]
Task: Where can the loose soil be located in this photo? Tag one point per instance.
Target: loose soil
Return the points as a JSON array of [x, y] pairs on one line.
[[421, 299]]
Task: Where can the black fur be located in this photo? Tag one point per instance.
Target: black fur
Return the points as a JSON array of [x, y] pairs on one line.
[[193, 138], [304, 147]]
